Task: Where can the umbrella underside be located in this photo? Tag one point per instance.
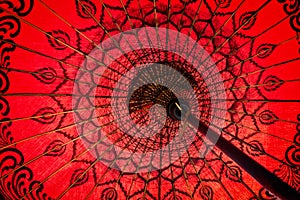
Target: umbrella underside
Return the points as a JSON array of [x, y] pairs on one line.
[[82, 82]]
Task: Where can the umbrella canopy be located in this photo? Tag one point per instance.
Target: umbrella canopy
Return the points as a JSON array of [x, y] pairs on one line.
[[166, 99]]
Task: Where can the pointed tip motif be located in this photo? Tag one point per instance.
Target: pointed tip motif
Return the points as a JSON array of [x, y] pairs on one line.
[[265, 50], [45, 115], [79, 177], [46, 75], [109, 193], [234, 173], [272, 83], [247, 20], [267, 117], [255, 148], [55, 148], [85, 8], [58, 39], [206, 192]]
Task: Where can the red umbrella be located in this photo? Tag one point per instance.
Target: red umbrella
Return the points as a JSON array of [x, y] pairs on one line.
[[149, 99]]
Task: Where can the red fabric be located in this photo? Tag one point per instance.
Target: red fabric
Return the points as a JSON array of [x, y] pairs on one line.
[[43, 167]]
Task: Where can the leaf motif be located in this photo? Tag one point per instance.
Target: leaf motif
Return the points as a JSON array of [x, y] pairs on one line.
[[234, 173], [292, 155], [295, 22], [5, 134], [289, 175], [265, 50], [55, 148], [9, 25], [46, 75], [79, 177], [6, 46], [247, 20], [255, 148], [85, 9], [58, 39], [223, 3], [45, 115], [4, 106], [4, 82], [267, 117], [272, 83], [206, 192], [109, 193]]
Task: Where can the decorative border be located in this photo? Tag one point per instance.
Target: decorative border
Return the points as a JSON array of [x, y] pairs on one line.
[[13, 185]]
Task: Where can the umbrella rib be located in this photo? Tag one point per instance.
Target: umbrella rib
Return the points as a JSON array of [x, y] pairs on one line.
[[182, 166], [148, 178], [241, 140], [52, 114], [255, 115], [210, 40], [219, 47], [247, 187], [135, 177], [49, 35], [264, 152], [216, 92], [250, 57], [239, 124], [180, 22], [88, 149], [104, 29], [49, 57], [38, 53], [228, 168], [194, 21], [111, 79], [127, 145], [69, 46], [58, 129], [128, 195], [263, 84], [101, 26], [240, 28], [18, 94], [100, 179], [62, 167], [265, 133], [49, 151], [263, 100], [264, 69], [59, 113], [63, 78], [209, 166], [71, 26], [253, 38], [86, 171]]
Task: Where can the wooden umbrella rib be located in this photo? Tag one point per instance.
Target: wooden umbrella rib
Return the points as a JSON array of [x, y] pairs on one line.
[[99, 157]]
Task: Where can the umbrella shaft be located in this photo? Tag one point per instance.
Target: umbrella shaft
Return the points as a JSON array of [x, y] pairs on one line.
[[267, 179]]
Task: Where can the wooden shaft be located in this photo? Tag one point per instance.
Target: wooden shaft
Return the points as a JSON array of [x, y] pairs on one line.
[[266, 178]]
